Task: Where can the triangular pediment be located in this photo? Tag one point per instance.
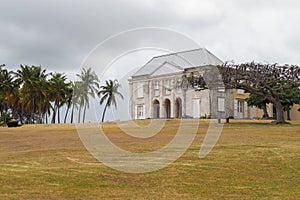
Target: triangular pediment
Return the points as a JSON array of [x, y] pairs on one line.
[[166, 68]]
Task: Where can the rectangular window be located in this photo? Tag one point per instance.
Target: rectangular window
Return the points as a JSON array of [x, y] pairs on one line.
[[156, 88], [156, 85], [221, 104], [140, 111], [140, 90], [240, 106], [167, 87], [240, 91], [178, 84], [221, 89]]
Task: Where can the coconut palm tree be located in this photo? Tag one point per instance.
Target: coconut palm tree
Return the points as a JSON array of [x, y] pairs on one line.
[[41, 92], [76, 98], [69, 99], [108, 93], [45, 99], [59, 90], [24, 79], [90, 85], [31, 79], [5, 85], [11, 92], [6, 92]]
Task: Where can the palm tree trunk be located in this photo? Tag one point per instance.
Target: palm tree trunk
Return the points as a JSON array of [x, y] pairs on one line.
[[79, 113], [58, 108], [40, 110], [53, 115], [84, 111], [22, 111], [65, 120], [58, 114], [32, 112], [104, 111], [5, 115], [72, 114]]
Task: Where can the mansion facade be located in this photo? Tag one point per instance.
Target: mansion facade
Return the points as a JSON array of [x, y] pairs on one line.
[[158, 90]]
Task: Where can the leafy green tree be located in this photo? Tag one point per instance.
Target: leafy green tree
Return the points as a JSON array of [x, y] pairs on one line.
[[259, 102], [108, 93], [288, 98]]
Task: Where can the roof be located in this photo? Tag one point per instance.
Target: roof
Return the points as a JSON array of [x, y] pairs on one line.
[[184, 60]]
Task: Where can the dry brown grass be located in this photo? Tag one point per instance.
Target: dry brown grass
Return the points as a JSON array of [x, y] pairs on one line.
[[251, 160]]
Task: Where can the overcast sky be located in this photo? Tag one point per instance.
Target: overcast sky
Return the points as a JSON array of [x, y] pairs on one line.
[[59, 34]]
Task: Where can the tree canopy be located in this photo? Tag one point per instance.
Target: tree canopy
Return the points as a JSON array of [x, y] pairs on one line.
[[265, 80], [32, 95]]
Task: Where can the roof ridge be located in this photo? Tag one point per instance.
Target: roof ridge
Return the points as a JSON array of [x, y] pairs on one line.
[[179, 52]]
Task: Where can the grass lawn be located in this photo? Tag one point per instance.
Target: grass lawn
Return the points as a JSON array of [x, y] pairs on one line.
[[252, 160]]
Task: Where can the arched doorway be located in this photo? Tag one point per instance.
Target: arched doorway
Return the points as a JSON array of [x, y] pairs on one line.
[[178, 108], [156, 109], [167, 108]]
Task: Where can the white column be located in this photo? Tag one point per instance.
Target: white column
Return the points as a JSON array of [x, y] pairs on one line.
[[135, 112], [150, 102], [162, 109]]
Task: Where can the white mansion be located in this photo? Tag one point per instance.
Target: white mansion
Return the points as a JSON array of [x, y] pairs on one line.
[[157, 90]]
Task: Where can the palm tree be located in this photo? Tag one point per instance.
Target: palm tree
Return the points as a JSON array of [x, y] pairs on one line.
[[31, 80], [108, 93], [59, 90], [90, 84], [41, 92], [69, 100], [25, 80], [7, 89], [76, 98]]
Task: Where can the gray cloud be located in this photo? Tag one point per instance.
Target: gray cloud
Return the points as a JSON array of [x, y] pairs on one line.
[[59, 34]]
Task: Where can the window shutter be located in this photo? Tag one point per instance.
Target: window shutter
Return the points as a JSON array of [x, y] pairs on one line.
[[196, 108], [221, 104], [140, 90], [245, 110], [235, 108]]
